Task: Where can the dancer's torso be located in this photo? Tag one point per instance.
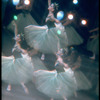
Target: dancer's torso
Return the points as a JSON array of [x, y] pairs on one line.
[[17, 52], [50, 24], [59, 67]]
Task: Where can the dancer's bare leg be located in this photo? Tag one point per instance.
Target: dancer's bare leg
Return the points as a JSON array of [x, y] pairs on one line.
[[9, 87], [14, 60], [75, 93], [51, 99], [25, 88], [65, 98]]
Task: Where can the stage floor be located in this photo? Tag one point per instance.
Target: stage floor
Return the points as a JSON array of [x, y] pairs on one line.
[[89, 67]]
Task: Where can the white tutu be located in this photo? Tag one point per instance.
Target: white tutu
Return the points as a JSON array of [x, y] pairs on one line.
[[22, 21], [93, 45], [73, 38], [15, 72], [44, 39], [55, 85], [82, 82]]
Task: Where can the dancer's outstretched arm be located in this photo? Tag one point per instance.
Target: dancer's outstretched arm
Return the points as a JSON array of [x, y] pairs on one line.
[[93, 30], [16, 31], [17, 39], [22, 6], [49, 3]]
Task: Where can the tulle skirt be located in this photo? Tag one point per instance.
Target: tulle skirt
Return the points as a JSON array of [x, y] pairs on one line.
[[73, 38], [38, 64], [16, 72], [55, 85], [22, 21], [82, 82], [45, 40], [93, 45]]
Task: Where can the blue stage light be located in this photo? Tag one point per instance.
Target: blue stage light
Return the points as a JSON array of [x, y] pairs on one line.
[[15, 2], [60, 15]]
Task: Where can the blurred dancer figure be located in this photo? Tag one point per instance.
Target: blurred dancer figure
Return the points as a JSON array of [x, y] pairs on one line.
[[25, 7], [93, 45], [73, 37], [74, 62], [58, 83], [24, 18], [18, 68], [48, 38]]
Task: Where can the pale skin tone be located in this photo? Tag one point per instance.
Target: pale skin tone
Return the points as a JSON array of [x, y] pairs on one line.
[[22, 6], [94, 37], [51, 18], [94, 30], [18, 39], [51, 15], [67, 22], [51, 11], [23, 52], [59, 58]]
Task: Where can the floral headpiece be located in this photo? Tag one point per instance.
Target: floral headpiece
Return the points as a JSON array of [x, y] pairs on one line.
[[56, 6]]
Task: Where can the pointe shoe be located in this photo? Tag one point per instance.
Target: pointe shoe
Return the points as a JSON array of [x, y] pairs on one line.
[[9, 88], [42, 57], [26, 90], [65, 98]]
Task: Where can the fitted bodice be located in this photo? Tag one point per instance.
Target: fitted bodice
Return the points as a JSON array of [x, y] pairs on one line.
[[59, 67], [17, 52], [50, 24]]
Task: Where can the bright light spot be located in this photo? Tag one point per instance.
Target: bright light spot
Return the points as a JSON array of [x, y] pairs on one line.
[[59, 32], [15, 17], [70, 16], [15, 2], [75, 1], [60, 15], [83, 22], [27, 2]]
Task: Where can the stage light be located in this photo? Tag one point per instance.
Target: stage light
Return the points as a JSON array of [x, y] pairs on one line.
[[83, 22], [15, 2], [15, 17], [58, 32], [70, 16], [60, 15], [75, 1], [26, 2]]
